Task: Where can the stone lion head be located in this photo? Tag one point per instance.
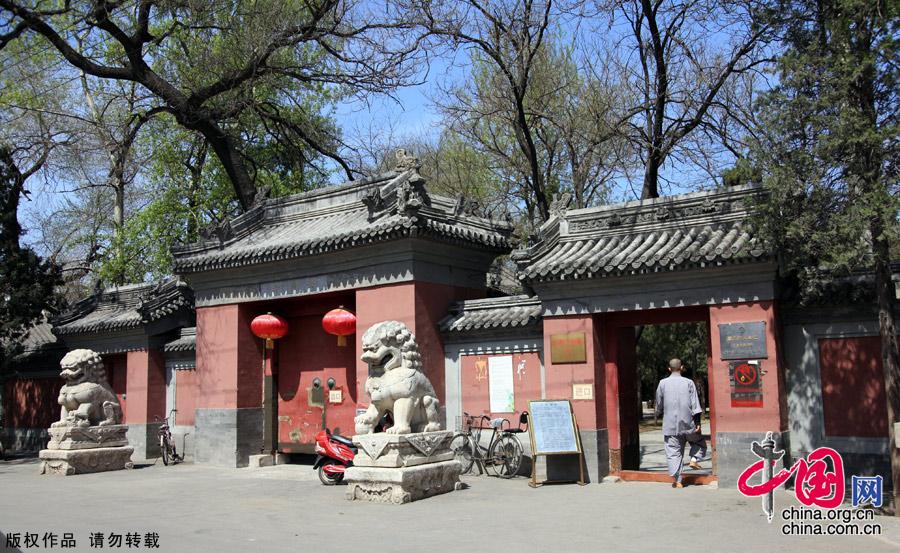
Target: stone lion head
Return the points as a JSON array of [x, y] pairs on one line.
[[82, 365], [389, 345]]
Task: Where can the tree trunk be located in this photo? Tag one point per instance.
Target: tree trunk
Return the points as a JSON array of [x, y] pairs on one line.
[[228, 154], [651, 179], [119, 223], [661, 97], [884, 289]]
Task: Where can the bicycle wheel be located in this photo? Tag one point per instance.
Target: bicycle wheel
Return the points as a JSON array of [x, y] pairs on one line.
[[463, 449], [506, 456], [164, 450]]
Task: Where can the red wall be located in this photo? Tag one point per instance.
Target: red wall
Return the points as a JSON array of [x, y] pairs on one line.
[[746, 419], [229, 358], [186, 396], [560, 377], [31, 403], [117, 373], [145, 386], [853, 399], [476, 388]]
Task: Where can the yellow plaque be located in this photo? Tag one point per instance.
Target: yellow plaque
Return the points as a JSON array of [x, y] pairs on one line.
[[567, 348], [582, 391]]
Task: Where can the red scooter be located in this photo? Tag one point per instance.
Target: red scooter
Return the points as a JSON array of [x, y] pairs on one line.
[[336, 453]]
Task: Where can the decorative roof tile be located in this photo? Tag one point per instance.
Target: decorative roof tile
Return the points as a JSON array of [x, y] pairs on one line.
[[186, 341], [492, 313], [663, 234], [125, 307], [353, 214]]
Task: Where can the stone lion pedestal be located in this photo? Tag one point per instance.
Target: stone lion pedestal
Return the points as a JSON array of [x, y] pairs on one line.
[[74, 450], [399, 468], [89, 435]]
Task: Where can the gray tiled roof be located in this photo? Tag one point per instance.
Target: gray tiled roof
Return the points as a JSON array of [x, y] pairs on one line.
[[392, 206], [39, 337], [125, 307], [664, 234], [186, 341], [492, 313], [38, 341]]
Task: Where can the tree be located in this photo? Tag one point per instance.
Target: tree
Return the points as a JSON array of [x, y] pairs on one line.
[[27, 282], [657, 344], [683, 57], [532, 101], [510, 36], [205, 64], [829, 155], [116, 124]]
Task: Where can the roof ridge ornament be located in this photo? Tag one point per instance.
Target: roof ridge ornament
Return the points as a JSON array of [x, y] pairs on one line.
[[406, 162], [560, 204], [222, 231]]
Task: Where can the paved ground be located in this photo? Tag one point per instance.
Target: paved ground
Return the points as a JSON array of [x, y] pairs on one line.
[[653, 454], [196, 508]]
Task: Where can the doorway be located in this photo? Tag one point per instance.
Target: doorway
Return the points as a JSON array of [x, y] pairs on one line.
[[656, 345], [638, 348]]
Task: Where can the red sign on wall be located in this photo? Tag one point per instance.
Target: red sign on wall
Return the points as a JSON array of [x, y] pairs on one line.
[[746, 384]]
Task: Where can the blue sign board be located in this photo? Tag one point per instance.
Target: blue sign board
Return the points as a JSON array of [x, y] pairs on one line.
[[553, 427]]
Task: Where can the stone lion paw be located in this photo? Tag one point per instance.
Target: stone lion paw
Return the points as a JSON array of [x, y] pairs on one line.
[[432, 427], [398, 430]]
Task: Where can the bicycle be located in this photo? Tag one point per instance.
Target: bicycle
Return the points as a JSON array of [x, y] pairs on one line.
[[166, 443], [504, 452]]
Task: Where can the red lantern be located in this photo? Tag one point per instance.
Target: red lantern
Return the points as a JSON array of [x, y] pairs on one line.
[[269, 327], [341, 323]]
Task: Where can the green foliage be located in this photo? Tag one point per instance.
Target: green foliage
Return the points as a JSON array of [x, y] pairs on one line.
[[279, 121], [828, 152], [658, 344], [27, 282], [454, 168], [743, 172]]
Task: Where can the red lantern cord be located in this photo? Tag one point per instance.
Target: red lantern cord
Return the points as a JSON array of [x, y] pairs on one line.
[[340, 323]]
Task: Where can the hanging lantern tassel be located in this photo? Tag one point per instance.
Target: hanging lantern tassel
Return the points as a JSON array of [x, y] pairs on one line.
[[340, 323]]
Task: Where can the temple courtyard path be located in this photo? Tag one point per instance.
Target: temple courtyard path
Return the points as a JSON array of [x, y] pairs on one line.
[[197, 508]]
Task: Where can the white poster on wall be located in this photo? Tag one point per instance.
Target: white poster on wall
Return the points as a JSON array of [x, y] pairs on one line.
[[500, 379]]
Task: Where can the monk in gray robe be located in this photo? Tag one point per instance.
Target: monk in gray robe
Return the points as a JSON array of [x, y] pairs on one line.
[[676, 400]]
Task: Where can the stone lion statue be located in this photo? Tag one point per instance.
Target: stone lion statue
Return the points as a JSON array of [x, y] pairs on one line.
[[396, 382], [86, 397]]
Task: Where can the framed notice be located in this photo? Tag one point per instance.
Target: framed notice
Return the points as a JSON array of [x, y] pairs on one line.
[[500, 383], [582, 391], [743, 340], [567, 348], [553, 431]]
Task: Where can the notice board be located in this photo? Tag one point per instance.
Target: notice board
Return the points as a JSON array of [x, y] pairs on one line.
[[500, 384], [553, 431]]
